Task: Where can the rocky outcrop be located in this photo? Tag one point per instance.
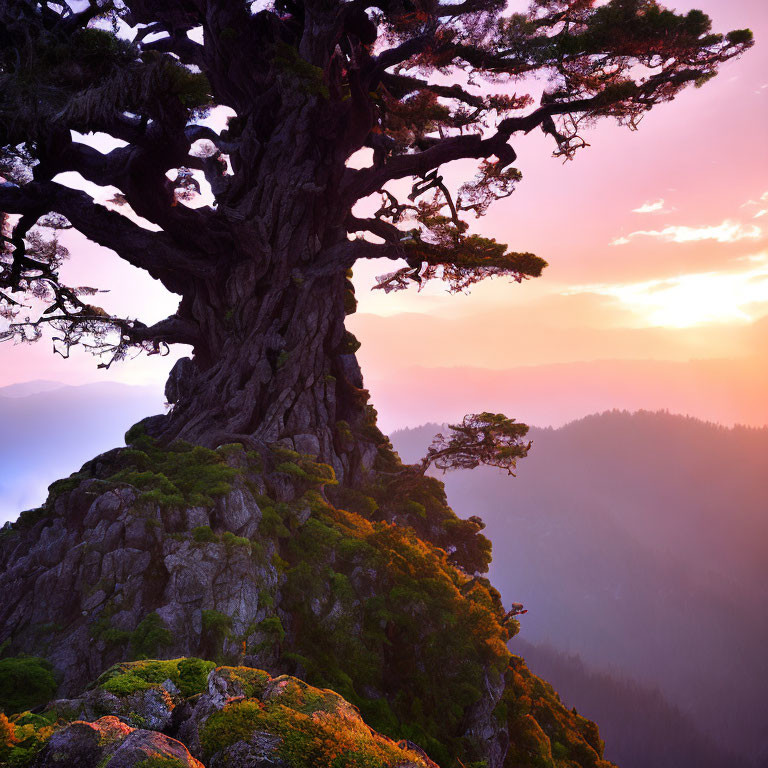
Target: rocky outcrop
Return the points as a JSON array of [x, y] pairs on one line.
[[243, 558], [105, 562], [110, 743], [243, 718]]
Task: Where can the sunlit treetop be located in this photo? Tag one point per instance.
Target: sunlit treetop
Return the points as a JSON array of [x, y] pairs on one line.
[[304, 86]]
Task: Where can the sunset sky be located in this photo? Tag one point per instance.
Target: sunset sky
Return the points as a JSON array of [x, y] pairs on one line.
[[656, 295]]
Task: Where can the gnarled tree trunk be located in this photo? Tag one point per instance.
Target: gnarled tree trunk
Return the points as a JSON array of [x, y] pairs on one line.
[[272, 359], [276, 365]]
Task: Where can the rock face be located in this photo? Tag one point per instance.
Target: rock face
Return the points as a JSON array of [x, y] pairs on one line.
[[110, 743], [260, 561]]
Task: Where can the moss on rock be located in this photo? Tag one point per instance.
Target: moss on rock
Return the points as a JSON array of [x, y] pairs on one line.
[[310, 727], [189, 675]]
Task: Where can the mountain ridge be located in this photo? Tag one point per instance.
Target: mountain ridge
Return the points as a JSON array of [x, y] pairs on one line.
[[639, 542]]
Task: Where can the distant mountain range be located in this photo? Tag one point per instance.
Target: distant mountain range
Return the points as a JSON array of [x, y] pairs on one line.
[[725, 391], [640, 542], [49, 430]]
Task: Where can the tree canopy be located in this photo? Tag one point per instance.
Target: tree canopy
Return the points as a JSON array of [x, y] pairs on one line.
[[481, 438], [418, 83]]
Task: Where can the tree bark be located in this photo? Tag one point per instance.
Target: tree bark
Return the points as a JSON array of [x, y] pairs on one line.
[[273, 359]]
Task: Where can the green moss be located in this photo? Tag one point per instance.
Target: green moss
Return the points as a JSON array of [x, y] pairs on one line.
[[230, 540], [59, 487], [272, 627], [193, 675], [125, 685], [25, 682], [252, 682], [150, 636], [316, 728], [441, 638], [203, 534], [30, 517], [412, 499], [174, 476], [216, 628], [303, 467], [271, 524], [189, 675]]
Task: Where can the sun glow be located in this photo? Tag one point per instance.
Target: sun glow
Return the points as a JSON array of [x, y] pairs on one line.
[[695, 299]]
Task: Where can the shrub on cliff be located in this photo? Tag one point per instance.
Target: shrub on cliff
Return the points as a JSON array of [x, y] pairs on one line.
[[25, 682]]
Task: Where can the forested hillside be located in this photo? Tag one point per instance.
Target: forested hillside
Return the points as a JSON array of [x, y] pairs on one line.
[[640, 542], [640, 727]]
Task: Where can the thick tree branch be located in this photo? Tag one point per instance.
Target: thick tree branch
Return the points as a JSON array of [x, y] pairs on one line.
[[155, 252], [404, 84], [172, 330], [179, 44], [383, 229], [361, 183], [397, 55]]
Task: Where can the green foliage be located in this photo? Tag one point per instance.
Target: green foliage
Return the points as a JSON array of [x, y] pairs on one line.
[[252, 682], [203, 534], [193, 675], [125, 684], [356, 501], [25, 682], [30, 517], [229, 539], [216, 627], [189, 675], [481, 438], [102, 628], [411, 499], [150, 636], [174, 476], [271, 524], [21, 739], [303, 467], [273, 628], [316, 729], [425, 640], [543, 733]]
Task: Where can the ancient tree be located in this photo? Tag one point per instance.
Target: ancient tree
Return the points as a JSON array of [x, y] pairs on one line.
[[255, 216]]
